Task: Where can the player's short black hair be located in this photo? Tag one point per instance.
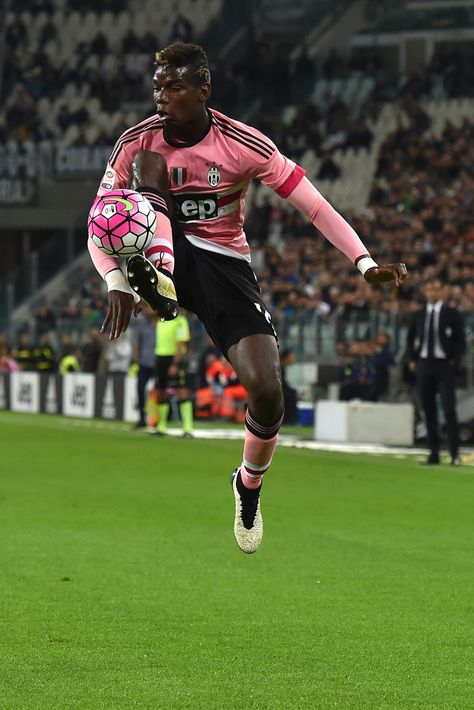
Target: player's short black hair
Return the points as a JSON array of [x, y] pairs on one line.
[[186, 54]]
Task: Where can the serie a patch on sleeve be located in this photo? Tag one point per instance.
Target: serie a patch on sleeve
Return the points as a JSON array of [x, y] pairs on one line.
[[108, 179]]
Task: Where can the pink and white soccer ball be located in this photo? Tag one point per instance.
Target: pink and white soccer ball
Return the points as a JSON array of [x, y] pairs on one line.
[[121, 222]]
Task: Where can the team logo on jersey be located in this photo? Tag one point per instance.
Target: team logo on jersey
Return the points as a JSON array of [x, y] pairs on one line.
[[178, 176], [213, 176]]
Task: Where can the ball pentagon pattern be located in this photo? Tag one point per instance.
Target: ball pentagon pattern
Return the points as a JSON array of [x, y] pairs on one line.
[[121, 222]]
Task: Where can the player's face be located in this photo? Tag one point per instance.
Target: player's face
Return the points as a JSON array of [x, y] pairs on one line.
[[434, 291], [178, 100]]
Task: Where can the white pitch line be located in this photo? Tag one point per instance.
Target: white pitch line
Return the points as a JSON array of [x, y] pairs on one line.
[[292, 440]]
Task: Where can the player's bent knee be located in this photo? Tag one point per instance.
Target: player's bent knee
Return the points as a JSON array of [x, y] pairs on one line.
[[268, 391], [150, 169]]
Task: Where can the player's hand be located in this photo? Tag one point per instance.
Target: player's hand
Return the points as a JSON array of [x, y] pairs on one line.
[[121, 307], [386, 272], [138, 308]]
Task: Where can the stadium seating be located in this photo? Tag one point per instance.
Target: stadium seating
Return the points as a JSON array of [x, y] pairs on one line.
[[76, 44]]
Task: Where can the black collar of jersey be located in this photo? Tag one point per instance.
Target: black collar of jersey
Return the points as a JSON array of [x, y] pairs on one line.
[[178, 144]]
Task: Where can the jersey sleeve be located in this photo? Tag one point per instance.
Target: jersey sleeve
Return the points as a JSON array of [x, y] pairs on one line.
[[115, 176], [117, 171], [280, 173], [266, 163], [308, 200]]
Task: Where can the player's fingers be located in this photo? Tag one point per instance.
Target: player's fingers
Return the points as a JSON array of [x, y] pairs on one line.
[[113, 328], [401, 271], [124, 318], [138, 308], [107, 320], [396, 274], [118, 320]]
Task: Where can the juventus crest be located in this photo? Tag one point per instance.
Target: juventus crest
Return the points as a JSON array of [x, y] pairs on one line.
[[213, 176]]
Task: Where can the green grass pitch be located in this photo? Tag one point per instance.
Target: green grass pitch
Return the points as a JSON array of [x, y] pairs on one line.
[[122, 586]]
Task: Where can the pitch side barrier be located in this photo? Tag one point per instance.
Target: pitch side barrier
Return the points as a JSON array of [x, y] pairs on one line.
[[115, 397], [72, 395]]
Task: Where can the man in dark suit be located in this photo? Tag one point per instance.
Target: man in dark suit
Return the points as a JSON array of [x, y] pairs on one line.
[[435, 345]]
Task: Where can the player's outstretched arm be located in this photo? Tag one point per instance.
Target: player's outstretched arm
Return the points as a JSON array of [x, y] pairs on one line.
[[306, 198]]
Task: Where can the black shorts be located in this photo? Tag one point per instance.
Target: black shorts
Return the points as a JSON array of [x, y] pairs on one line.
[[163, 379], [221, 290]]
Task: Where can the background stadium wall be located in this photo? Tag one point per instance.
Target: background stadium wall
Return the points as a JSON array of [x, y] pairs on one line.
[[74, 395]]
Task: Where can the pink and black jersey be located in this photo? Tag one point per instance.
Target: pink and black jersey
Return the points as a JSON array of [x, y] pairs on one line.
[[208, 179]]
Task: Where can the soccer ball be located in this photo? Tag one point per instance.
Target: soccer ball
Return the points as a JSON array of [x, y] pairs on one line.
[[121, 223]]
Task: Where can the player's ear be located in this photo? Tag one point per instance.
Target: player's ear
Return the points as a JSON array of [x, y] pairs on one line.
[[204, 91]]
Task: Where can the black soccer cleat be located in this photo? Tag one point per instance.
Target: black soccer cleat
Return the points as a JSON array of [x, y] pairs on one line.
[[155, 286], [248, 523]]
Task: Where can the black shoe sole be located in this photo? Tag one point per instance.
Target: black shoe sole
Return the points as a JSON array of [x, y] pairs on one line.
[[152, 287]]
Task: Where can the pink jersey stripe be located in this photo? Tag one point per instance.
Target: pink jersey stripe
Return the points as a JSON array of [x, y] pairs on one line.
[[134, 131], [245, 135], [137, 128], [245, 142], [130, 138], [291, 182]]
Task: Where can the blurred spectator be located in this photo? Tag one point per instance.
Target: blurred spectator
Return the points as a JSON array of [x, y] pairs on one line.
[[229, 397], [302, 74], [45, 320], [208, 356], [45, 354], [91, 352], [182, 30], [383, 360], [357, 371], [25, 354], [116, 355], [69, 361], [144, 355], [7, 362], [328, 169]]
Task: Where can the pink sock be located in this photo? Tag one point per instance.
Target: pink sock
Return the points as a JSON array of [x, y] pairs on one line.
[[160, 250], [258, 455], [259, 445]]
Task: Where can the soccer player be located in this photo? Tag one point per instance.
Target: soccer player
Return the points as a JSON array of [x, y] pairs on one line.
[[196, 162], [172, 338]]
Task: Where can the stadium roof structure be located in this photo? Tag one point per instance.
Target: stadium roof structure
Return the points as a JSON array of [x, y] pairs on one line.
[[424, 17]]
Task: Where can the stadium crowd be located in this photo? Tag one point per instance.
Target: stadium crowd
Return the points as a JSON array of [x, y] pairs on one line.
[[76, 95]]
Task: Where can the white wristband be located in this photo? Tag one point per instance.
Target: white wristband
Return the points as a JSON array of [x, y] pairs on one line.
[[116, 281], [365, 264]]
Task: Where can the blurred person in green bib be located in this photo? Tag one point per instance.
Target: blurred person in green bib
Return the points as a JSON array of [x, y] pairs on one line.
[[172, 338]]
